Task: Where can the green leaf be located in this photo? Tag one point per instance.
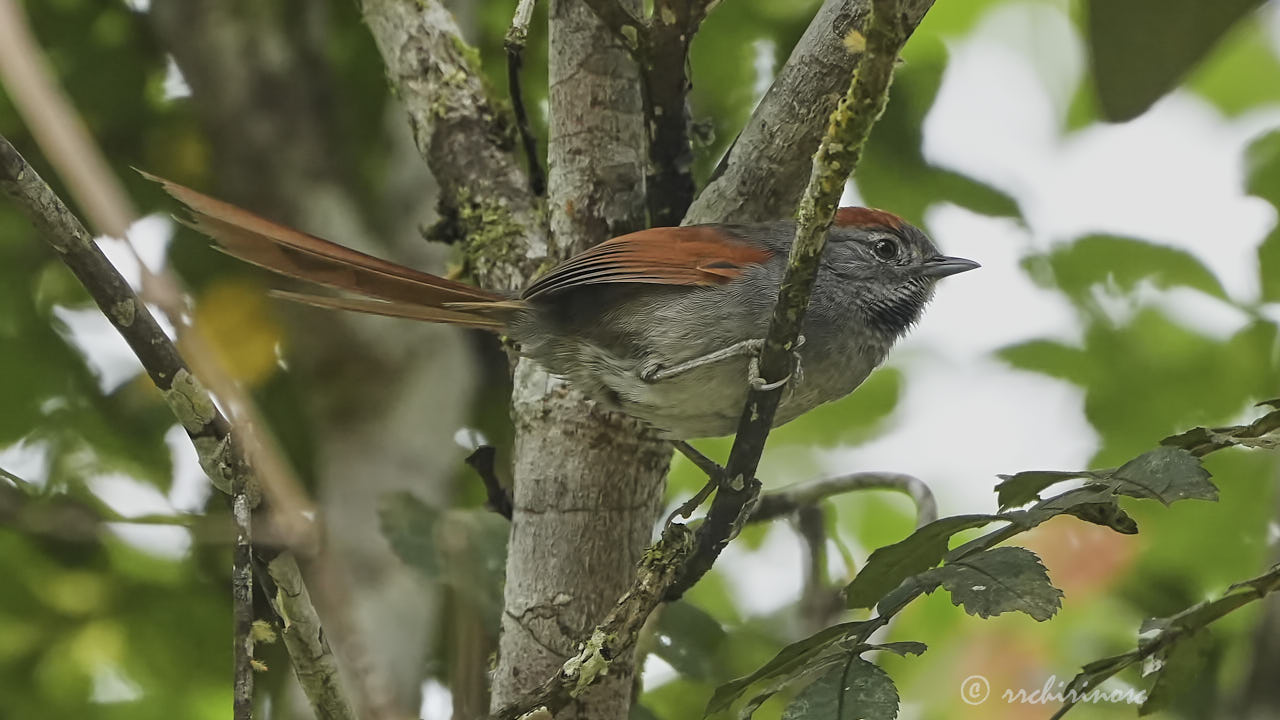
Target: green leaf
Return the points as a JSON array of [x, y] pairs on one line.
[[690, 641], [1000, 580], [890, 565], [1141, 49], [853, 690], [1107, 514], [791, 661], [1024, 487], [1166, 474], [409, 525], [901, 648], [1177, 670], [1124, 262]]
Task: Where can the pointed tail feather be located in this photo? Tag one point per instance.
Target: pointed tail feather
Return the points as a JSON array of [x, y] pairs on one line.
[[393, 309], [388, 288]]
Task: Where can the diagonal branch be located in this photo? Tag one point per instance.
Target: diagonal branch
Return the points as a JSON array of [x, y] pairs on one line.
[[764, 172], [835, 160], [677, 560], [467, 139], [220, 452]]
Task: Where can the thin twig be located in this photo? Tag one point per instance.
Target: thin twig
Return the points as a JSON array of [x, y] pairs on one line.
[[517, 37], [242, 608], [837, 156], [220, 452], [793, 498], [483, 461], [817, 600]]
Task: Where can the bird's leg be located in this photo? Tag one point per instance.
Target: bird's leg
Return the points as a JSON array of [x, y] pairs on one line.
[[751, 348], [657, 373]]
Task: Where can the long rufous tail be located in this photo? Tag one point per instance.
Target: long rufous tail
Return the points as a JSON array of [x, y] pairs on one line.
[[380, 287]]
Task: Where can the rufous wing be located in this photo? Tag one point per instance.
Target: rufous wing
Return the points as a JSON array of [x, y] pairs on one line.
[[697, 255]]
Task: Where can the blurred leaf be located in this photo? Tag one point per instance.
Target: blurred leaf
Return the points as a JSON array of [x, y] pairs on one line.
[[1166, 474], [410, 526], [1024, 487], [1229, 75], [853, 690], [890, 565], [1262, 178], [848, 420], [1178, 670], [234, 314], [1125, 262], [464, 549], [690, 641], [997, 581], [1141, 49], [1049, 357]]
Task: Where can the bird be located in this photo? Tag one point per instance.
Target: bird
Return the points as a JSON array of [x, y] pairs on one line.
[[664, 324]]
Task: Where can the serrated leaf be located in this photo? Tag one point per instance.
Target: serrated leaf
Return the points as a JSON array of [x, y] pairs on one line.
[[689, 640], [1141, 49], [1167, 474], [1024, 487], [790, 661], [853, 690], [890, 565], [1000, 580]]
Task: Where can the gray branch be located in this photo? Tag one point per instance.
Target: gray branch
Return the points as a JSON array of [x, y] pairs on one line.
[[466, 139], [764, 172], [790, 499]]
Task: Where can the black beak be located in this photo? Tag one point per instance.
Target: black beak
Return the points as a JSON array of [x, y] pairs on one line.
[[942, 266]]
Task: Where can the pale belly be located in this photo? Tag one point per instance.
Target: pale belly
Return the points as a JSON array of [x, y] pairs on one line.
[[708, 401]]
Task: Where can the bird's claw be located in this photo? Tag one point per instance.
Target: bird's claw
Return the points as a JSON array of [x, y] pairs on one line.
[[758, 383]]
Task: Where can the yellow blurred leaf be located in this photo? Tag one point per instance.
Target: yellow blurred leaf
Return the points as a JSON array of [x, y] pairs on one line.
[[233, 314]]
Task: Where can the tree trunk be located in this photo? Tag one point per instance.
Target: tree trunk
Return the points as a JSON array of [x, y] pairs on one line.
[[588, 483]]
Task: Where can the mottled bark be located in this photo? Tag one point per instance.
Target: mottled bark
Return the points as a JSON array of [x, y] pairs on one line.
[[588, 484]]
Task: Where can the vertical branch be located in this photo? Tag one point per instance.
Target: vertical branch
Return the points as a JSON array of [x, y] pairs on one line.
[[242, 608], [664, 49], [514, 43], [580, 472]]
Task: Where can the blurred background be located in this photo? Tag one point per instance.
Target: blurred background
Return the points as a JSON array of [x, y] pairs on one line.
[[1130, 289]]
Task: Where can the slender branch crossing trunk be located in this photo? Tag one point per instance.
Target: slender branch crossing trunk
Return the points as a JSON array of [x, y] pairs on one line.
[[588, 484]]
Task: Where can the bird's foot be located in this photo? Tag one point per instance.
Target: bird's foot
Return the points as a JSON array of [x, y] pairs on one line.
[[797, 370]]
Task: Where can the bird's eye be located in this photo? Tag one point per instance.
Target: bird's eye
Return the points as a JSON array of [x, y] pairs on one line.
[[885, 249]]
